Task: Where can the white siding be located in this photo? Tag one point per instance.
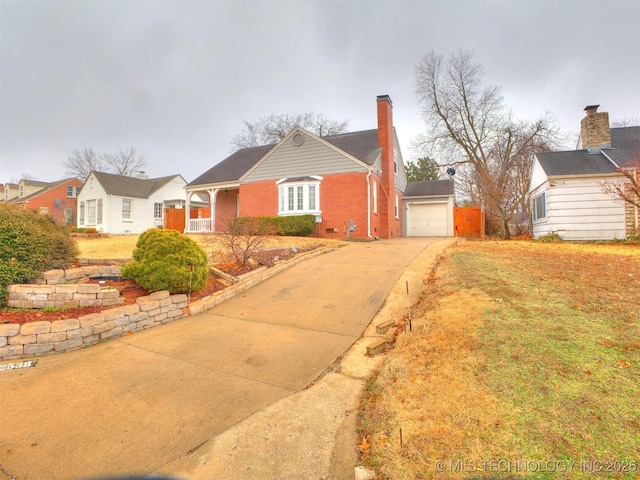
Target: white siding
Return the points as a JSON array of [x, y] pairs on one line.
[[311, 158], [400, 179], [141, 208], [91, 190], [538, 177], [578, 209]]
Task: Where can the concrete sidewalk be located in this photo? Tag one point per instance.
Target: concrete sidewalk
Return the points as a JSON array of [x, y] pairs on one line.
[[222, 394]]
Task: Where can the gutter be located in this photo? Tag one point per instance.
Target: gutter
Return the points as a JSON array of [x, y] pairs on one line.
[[369, 204]]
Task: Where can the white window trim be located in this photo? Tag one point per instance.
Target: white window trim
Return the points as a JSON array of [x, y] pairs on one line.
[[396, 206], [284, 199], [161, 210], [542, 195], [91, 207], [130, 217]]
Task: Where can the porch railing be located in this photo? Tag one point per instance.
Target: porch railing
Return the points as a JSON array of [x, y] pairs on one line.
[[197, 225]]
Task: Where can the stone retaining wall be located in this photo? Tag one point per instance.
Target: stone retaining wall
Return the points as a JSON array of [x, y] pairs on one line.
[[39, 338], [78, 274], [62, 296], [44, 338]]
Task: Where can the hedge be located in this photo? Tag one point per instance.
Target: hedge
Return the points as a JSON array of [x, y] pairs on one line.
[[290, 226]]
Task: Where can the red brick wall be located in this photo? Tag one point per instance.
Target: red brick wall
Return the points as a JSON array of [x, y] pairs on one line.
[[226, 206], [343, 197], [48, 199]]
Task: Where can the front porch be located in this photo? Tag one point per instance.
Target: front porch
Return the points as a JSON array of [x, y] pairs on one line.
[[223, 203]]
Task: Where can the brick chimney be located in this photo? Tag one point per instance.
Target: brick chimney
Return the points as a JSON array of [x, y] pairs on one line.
[[385, 142], [594, 130]]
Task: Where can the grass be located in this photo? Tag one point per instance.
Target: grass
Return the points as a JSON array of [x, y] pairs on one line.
[[122, 246], [520, 351]]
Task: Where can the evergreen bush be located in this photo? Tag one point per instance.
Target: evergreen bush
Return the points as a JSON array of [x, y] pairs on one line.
[[290, 226], [167, 260], [29, 244]]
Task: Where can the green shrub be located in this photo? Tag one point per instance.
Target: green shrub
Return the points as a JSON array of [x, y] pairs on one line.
[[551, 237], [167, 260], [29, 244], [290, 226]]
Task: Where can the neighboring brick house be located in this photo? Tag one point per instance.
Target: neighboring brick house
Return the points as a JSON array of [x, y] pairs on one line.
[[566, 188], [351, 182], [57, 199]]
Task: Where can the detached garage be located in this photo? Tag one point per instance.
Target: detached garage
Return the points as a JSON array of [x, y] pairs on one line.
[[428, 209]]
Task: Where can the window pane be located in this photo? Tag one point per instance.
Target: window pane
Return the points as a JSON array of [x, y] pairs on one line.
[[312, 197], [69, 191], [291, 204], [300, 197], [91, 212], [157, 210], [126, 209], [99, 210]]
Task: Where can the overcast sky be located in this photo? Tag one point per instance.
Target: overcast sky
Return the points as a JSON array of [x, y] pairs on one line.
[[175, 79]]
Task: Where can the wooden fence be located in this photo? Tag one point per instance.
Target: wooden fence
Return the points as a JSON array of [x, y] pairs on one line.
[[468, 222], [174, 218]]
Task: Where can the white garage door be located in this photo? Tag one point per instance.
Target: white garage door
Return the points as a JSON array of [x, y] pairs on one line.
[[427, 219]]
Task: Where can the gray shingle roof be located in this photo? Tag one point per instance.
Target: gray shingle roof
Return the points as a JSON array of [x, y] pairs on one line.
[[362, 145], [429, 188], [131, 186], [625, 143], [574, 162], [46, 188], [233, 167]]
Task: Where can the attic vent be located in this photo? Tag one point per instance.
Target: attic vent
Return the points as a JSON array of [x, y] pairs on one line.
[[298, 139]]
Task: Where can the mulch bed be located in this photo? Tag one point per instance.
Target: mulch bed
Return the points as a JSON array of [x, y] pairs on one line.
[[130, 291]]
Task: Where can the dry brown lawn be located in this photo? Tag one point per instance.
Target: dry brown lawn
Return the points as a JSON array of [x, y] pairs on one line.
[[122, 246], [520, 352]]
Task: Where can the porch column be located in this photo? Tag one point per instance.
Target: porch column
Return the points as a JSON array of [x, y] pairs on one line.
[[213, 194], [187, 225]]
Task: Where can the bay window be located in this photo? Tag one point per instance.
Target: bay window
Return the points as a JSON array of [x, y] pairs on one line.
[[299, 196]]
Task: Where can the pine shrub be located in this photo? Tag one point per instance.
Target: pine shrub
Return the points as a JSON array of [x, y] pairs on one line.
[[167, 260]]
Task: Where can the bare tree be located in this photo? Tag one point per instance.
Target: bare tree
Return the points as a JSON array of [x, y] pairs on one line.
[[625, 122], [243, 237], [273, 128], [469, 125], [82, 161], [628, 188], [125, 162]]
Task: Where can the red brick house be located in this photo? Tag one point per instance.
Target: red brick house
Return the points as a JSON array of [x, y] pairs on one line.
[[351, 182], [57, 199]]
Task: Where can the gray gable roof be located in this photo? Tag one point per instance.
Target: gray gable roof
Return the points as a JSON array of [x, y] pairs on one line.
[[625, 143], [131, 186], [429, 188], [574, 162], [362, 145], [234, 166]]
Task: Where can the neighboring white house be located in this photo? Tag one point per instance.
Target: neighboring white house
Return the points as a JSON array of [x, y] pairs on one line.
[[428, 208], [566, 187], [117, 204]]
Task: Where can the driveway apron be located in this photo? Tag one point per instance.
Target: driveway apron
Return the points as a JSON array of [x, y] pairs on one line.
[[132, 404]]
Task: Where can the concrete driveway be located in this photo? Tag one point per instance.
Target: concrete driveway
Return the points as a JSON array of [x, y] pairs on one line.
[[134, 404]]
